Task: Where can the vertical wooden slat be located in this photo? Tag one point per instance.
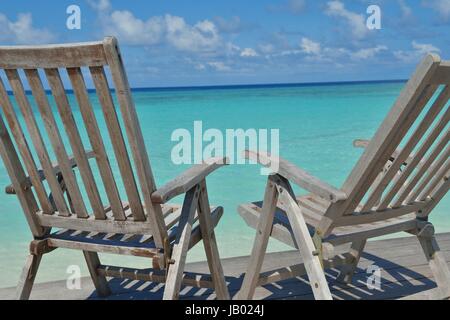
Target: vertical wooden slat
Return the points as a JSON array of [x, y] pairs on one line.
[[90, 122], [56, 141], [36, 137], [431, 115], [405, 189], [135, 138], [120, 150], [76, 143], [24, 150], [419, 192], [18, 179], [441, 174], [436, 196], [388, 136], [398, 184]]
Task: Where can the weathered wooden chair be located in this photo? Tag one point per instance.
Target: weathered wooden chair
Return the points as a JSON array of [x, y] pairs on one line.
[[60, 214], [400, 178]]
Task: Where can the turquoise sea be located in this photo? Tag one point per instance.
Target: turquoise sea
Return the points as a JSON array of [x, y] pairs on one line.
[[317, 125]]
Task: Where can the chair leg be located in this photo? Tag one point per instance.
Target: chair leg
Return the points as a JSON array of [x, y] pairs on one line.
[[347, 271], [438, 266], [100, 282], [260, 244], [210, 244], [26, 281], [308, 251], [181, 246]]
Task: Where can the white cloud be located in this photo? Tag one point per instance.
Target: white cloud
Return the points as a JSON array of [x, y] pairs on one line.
[[169, 29], [368, 53], [101, 5], [219, 66], [419, 50], [249, 52], [22, 31], [201, 36], [127, 27], [310, 47], [442, 7], [355, 22]]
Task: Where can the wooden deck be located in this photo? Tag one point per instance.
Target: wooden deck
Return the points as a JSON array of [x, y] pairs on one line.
[[403, 266]]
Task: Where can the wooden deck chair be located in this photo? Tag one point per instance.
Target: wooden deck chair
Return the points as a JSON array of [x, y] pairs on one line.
[[400, 178], [63, 202]]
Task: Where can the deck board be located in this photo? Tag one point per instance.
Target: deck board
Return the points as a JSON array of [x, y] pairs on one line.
[[404, 272]]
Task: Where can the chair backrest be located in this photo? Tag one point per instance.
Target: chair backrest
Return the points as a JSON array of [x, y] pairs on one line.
[[415, 133], [46, 205]]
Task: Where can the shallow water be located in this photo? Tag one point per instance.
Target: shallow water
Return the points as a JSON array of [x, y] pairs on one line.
[[317, 126]]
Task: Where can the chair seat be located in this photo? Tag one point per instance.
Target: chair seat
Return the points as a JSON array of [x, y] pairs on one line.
[[129, 244], [313, 208]]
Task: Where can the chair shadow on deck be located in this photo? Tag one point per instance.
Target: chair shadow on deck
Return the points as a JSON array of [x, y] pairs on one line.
[[396, 281]]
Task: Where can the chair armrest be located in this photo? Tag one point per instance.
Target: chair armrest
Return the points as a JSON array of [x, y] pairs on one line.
[[298, 176], [56, 168], [188, 179]]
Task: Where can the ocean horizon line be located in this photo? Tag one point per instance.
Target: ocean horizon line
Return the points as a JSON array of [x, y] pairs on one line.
[[265, 85], [240, 86]]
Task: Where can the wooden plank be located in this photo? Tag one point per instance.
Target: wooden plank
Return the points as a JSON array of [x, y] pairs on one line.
[[135, 138], [282, 231], [210, 244], [405, 110], [435, 173], [405, 188], [36, 137], [436, 196], [379, 215], [27, 277], [348, 269], [120, 150], [100, 282], [405, 152], [17, 175], [152, 275], [188, 179], [263, 231], [76, 143], [441, 175], [181, 245], [106, 248], [399, 187], [298, 176], [24, 149], [56, 168], [56, 141], [438, 265], [95, 137], [442, 74], [52, 56], [196, 234], [91, 224], [307, 248]]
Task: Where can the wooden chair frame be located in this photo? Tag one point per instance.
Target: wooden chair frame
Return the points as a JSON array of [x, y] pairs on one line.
[[150, 227], [381, 195]]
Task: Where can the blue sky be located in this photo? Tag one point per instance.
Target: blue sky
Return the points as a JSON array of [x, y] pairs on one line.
[[181, 43]]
